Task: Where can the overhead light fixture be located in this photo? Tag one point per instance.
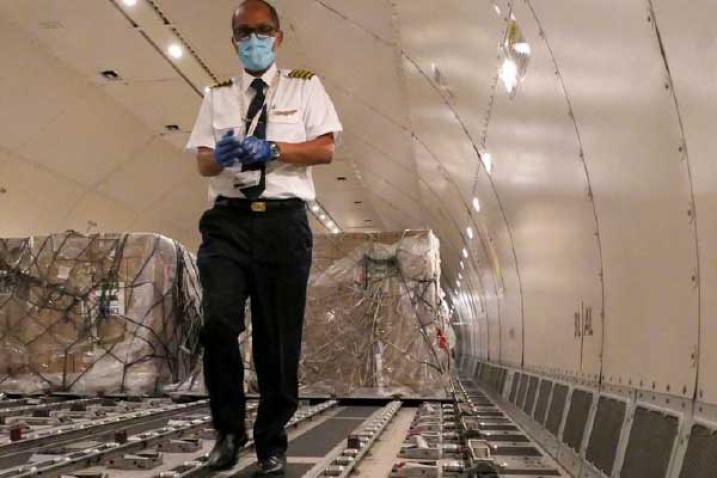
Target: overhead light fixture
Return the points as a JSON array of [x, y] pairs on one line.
[[320, 213], [522, 48], [175, 51], [460, 276], [130, 3], [465, 253], [509, 75], [487, 162], [516, 56], [469, 231], [463, 266], [476, 204], [458, 283]]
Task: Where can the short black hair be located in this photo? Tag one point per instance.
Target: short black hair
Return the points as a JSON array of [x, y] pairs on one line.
[[272, 11]]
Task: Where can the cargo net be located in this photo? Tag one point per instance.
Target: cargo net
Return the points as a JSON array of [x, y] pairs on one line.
[[375, 320], [376, 324], [106, 313]]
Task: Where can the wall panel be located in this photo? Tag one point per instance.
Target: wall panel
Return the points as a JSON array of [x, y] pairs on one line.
[[689, 36], [539, 175], [631, 138]]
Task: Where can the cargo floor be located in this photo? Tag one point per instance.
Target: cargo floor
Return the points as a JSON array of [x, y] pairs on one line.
[[319, 441], [311, 443]]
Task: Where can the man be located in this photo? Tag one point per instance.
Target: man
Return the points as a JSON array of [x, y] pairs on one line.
[[256, 138]]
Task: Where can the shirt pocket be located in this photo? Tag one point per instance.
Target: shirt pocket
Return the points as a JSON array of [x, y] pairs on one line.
[[226, 116], [286, 126]]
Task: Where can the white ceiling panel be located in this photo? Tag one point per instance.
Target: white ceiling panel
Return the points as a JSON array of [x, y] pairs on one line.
[[185, 202], [207, 27], [151, 220], [95, 212], [158, 103], [87, 141], [154, 171], [35, 198], [29, 95], [89, 35]]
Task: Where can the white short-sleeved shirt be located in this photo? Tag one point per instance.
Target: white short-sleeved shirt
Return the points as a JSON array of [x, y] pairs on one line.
[[300, 110]]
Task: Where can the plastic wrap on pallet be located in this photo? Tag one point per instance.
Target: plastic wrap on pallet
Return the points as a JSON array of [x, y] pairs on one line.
[[374, 319], [113, 313]]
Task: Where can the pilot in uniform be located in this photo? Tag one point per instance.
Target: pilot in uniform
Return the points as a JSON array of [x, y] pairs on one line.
[[256, 137]]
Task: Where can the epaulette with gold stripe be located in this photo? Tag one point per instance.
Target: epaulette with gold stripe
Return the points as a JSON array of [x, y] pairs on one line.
[[223, 84], [301, 74]]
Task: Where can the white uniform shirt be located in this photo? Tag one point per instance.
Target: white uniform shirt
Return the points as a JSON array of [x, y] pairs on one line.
[[299, 110]]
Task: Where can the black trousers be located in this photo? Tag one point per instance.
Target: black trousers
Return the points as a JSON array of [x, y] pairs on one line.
[[265, 256]]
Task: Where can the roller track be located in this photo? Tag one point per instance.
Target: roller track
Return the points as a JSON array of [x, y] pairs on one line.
[[468, 436]]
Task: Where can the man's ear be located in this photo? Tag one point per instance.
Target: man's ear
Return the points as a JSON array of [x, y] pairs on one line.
[[279, 39]]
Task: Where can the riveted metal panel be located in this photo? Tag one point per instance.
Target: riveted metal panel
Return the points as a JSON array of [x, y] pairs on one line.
[[688, 35], [631, 136], [539, 174]]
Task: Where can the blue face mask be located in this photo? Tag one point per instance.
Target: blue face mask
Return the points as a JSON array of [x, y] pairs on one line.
[[256, 54]]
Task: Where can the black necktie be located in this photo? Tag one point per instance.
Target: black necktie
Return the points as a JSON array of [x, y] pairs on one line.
[[257, 103]]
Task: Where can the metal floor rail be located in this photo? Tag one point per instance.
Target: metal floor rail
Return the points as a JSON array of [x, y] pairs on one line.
[[468, 436]]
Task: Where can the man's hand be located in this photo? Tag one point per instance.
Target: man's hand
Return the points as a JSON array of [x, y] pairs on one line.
[[256, 150], [229, 151]]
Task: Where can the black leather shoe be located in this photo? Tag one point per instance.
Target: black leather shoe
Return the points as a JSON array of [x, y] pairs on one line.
[[273, 466], [225, 453]]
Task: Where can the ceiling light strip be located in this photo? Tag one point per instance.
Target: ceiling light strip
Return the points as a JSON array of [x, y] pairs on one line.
[[171, 62], [146, 17], [323, 216]]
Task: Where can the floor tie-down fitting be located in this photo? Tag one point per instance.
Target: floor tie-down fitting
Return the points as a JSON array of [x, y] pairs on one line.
[[470, 438]]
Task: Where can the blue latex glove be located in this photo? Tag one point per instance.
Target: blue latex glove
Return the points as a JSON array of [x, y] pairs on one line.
[[256, 150], [229, 151]]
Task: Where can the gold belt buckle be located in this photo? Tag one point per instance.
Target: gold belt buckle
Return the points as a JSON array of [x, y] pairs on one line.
[[258, 206]]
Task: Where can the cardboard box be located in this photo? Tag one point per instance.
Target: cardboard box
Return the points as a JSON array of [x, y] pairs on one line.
[[99, 312]]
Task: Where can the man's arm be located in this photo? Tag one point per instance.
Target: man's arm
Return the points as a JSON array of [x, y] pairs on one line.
[[316, 151], [309, 153]]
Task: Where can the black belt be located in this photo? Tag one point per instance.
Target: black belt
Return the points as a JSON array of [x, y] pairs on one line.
[[260, 205]]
